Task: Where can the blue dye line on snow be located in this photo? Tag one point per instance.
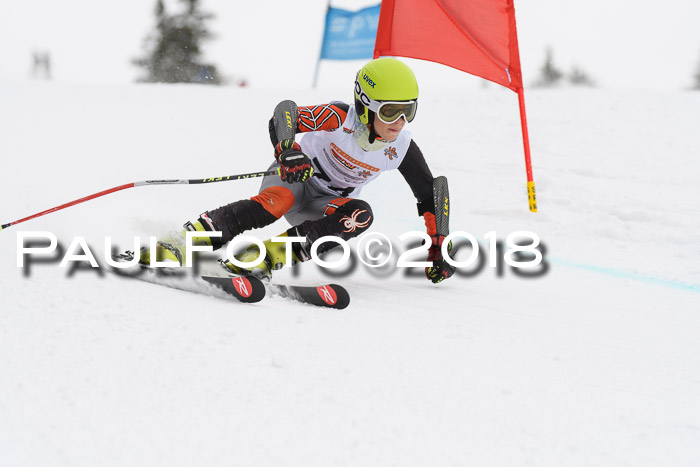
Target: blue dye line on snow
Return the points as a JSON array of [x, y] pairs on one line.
[[622, 274]]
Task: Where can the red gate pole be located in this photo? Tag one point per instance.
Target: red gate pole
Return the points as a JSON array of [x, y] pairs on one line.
[[532, 199]]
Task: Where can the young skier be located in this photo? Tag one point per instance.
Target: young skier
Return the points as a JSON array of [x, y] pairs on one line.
[[343, 147]]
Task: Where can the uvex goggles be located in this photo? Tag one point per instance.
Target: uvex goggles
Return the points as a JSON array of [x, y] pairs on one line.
[[388, 111]]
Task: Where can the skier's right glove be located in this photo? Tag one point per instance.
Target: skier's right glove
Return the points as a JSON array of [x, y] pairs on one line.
[[441, 269], [295, 166]]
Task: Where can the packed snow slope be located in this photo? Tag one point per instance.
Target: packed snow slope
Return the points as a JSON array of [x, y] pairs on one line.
[[593, 361]]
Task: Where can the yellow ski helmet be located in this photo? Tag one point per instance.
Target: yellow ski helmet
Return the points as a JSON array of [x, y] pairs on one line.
[[388, 87]]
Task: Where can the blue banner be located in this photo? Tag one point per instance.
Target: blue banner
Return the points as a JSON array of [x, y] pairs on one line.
[[350, 35]]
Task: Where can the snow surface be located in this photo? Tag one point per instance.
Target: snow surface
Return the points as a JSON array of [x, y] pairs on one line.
[[596, 362]]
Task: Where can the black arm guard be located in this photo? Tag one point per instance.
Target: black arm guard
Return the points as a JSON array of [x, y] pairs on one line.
[[439, 205], [284, 122], [441, 202]]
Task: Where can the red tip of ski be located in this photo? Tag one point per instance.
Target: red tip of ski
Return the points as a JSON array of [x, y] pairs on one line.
[[327, 294], [246, 289], [243, 286]]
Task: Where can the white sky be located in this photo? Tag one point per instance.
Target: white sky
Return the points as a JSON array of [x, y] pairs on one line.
[[275, 43]]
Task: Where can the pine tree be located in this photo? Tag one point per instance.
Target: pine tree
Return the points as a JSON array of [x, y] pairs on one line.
[[550, 75], [578, 77], [173, 53]]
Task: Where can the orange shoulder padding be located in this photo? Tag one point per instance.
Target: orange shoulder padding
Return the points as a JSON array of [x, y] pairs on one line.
[[276, 200], [320, 117]]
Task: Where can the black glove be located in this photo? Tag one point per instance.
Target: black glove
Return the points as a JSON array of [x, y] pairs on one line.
[[441, 269], [295, 166]]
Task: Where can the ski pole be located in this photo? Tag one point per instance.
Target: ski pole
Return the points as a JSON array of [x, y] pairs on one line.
[[144, 183]]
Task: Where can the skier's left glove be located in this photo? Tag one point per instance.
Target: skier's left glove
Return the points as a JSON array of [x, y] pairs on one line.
[[295, 166], [441, 269]]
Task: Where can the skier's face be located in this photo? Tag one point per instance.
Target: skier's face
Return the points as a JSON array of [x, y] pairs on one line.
[[389, 131]]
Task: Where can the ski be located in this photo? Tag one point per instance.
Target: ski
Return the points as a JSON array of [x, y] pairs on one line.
[[246, 289], [328, 295]]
